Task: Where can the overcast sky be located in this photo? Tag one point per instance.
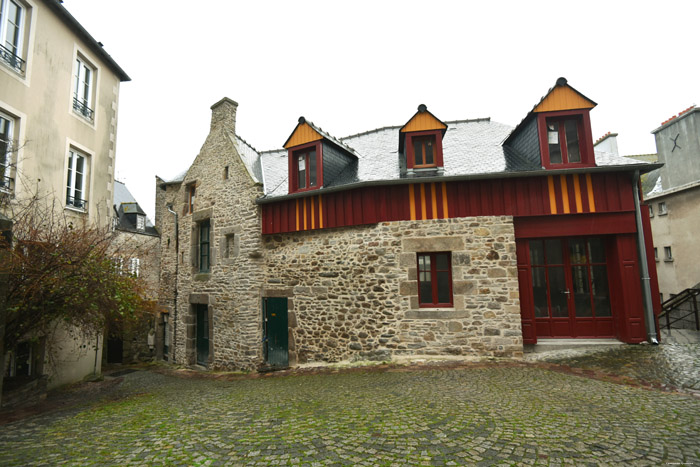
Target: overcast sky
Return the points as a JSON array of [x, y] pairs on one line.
[[355, 66]]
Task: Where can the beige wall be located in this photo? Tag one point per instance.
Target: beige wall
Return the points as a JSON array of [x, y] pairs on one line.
[[46, 125], [679, 230]]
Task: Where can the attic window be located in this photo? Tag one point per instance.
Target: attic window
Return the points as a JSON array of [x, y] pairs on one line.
[[424, 151], [140, 222], [563, 139], [305, 168]]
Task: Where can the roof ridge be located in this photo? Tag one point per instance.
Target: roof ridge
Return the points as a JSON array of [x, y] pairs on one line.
[[246, 143], [376, 130], [471, 120]]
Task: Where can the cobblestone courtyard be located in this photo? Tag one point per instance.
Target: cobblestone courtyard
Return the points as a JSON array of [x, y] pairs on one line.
[[481, 414]]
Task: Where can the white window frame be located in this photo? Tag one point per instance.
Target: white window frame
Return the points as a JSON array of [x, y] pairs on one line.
[[663, 209], [84, 78], [140, 222], [71, 179], [134, 267], [17, 45], [668, 253], [6, 159]]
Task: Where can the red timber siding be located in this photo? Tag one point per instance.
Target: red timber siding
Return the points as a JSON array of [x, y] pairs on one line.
[[519, 197]]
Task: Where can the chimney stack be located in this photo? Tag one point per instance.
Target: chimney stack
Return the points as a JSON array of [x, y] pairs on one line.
[[224, 113]]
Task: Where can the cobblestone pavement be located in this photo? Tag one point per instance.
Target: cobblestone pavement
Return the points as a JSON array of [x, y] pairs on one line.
[[479, 414], [675, 366]]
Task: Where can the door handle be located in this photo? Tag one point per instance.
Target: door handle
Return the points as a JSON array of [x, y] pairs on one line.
[[566, 291]]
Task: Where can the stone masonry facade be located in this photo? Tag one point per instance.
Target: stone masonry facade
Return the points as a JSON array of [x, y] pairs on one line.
[[352, 292]]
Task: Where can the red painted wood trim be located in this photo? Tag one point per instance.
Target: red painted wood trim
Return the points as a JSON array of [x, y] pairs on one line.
[[293, 174], [410, 153], [585, 138], [574, 225]]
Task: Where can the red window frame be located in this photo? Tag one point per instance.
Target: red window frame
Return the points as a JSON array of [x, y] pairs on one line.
[[433, 271], [585, 140], [294, 154], [417, 136]]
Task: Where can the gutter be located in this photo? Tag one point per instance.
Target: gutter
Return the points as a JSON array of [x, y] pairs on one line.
[[637, 168], [644, 266], [177, 263]]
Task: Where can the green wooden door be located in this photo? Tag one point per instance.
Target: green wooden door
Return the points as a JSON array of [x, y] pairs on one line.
[[202, 334], [275, 328]]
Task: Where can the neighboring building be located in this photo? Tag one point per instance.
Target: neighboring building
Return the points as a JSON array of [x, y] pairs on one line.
[[59, 96], [464, 238], [138, 248], [675, 203]]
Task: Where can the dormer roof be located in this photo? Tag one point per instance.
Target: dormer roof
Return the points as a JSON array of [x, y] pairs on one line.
[[306, 132], [422, 120]]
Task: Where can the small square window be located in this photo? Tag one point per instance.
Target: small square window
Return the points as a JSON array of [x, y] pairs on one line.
[[226, 172], [656, 253], [668, 255], [662, 209], [435, 279], [651, 210], [229, 247], [424, 151]]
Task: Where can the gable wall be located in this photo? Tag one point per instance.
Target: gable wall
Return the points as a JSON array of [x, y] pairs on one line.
[[334, 162], [527, 143]]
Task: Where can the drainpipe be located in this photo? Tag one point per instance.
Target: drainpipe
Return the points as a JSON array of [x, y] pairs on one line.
[[644, 265], [177, 262]]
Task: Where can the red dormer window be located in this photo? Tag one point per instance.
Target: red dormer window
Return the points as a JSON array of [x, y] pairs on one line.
[[565, 140], [424, 149], [305, 167]]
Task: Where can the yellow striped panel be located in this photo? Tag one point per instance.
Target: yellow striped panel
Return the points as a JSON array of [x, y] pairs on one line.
[[302, 134], [423, 121], [297, 213], [423, 208], [304, 213], [564, 194], [563, 98], [577, 191], [591, 198], [434, 199], [552, 195], [412, 201], [445, 212]]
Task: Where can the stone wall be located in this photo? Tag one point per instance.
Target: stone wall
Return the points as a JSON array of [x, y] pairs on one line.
[[353, 291]]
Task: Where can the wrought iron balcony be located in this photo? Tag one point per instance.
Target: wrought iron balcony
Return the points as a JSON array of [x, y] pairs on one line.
[[9, 57], [82, 108], [6, 183], [76, 203]]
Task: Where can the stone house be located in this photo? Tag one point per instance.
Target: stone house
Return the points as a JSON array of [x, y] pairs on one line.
[[460, 238], [59, 100], [675, 203], [137, 247]]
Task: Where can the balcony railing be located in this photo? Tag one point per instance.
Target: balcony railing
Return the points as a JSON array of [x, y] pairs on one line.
[[6, 183], [9, 57], [76, 203], [82, 108]]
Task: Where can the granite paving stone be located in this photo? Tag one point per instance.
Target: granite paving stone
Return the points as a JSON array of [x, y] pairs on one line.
[[488, 414]]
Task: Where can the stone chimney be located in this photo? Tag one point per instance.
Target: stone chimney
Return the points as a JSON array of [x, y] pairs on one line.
[[607, 143], [224, 113]]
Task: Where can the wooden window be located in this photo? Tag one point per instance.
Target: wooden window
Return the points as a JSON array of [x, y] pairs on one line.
[[191, 189], [305, 169], [563, 137], [204, 250], [424, 151], [668, 254], [435, 279]]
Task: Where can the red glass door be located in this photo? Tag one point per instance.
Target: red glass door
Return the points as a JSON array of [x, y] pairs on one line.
[[570, 288]]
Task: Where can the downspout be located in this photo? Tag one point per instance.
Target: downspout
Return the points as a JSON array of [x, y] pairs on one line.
[[644, 265], [177, 262]]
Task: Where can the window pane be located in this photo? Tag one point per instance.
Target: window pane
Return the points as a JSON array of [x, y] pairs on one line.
[[443, 285], [539, 292], [554, 148], [418, 150], [601, 292], [536, 252], [596, 250], [424, 262], [426, 290], [312, 168], [557, 293], [553, 249], [572, 148], [582, 297], [429, 152], [577, 251], [442, 261]]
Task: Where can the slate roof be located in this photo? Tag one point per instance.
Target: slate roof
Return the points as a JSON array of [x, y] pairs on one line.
[[126, 208]]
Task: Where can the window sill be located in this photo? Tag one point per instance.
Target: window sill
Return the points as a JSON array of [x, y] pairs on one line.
[[74, 209], [436, 313], [202, 276], [668, 260], [663, 213]]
